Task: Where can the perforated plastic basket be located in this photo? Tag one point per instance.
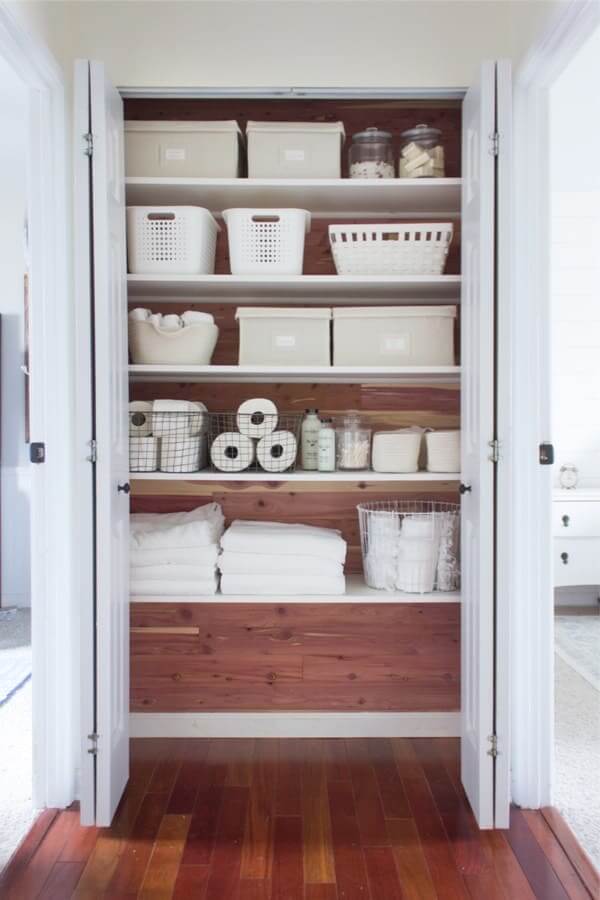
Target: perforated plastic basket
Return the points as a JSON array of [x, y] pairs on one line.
[[419, 249], [179, 240], [266, 240]]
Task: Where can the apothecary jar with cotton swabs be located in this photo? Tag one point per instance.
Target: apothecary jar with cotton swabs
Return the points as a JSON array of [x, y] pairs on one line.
[[371, 154]]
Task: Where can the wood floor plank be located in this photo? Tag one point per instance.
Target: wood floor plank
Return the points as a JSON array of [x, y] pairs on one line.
[[391, 790], [369, 809], [189, 778], [100, 867], [39, 867], [509, 873], [435, 843], [336, 760], [288, 864], [320, 892], [484, 885], [191, 883], [413, 871], [588, 873], [319, 866], [137, 848], [80, 843], [568, 875], [540, 874], [20, 859], [383, 876], [224, 878], [62, 881], [257, 850], [407, 761], [203, 826], [163, 866], [350, 869], [288, 800]]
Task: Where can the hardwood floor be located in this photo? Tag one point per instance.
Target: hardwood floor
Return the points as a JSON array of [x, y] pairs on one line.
[[297, 820]]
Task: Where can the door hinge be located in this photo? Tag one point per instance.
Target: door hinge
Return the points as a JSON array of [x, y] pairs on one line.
[[93, 739], [493, 742], [89, 144], [495, 450], [495, 143], [93, 454]]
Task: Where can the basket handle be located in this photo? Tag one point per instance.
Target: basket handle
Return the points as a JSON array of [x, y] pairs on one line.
[[160, 217], [265, 218]]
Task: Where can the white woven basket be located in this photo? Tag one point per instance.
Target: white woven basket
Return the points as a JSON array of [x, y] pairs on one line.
[[266, 240], [419, 249], [178, 240]]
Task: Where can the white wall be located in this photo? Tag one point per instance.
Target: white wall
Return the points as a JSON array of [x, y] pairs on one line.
[[14, 488], [258, 43], [575, 275]]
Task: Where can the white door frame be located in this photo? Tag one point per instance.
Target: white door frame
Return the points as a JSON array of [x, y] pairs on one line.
[[51, 416], [527, 567]]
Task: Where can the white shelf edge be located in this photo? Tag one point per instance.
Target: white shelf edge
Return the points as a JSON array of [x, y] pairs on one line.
[[290, 374], [356, 592], [320, 477]]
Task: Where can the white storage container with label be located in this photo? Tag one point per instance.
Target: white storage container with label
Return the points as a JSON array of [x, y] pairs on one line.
[[394, 336], [183, 149], [284, 337], [176, 240], [295, 149]]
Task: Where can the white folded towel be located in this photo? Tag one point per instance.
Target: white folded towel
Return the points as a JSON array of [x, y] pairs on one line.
[[174, 573], [282, 538], [199, 588], [175, 556], [283, 585], [198, 528], [268, 564]]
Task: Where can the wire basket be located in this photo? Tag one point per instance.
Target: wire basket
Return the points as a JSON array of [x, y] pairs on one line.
[[410, 545], [174, 442], [258, 442]]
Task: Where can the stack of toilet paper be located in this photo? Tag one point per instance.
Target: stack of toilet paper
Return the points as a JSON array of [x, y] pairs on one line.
[[281, 559], [175, 554], [169, 435], [257, 440]]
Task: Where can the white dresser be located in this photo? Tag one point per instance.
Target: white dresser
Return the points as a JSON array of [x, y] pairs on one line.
[[576, 530]]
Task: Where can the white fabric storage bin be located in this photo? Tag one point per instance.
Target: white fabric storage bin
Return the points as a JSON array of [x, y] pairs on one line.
[[267, 241], [295, 149], [143, 454], [183, 149], [179, 240], [394, 336], [284, 337], [390, 249], [396, 451], [192, 345], [443, 451]]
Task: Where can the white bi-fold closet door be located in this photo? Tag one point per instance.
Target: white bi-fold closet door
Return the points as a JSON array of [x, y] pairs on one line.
[[101, 288]]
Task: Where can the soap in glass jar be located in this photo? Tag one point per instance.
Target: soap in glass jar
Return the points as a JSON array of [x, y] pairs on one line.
[[421, 153]]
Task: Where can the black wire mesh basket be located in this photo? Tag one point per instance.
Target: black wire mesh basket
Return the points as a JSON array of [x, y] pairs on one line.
[[254, 442], [170, 442]]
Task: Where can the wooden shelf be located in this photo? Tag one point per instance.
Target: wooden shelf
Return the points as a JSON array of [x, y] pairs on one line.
[[299, 289], [419, 198], [296, 374], [356, 592], [359, 477]]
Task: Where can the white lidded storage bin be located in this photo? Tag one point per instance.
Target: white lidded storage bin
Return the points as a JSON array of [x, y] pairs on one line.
[[178, 240], [295, 149], [192, 345], [266, 241], [390, 249], [443, 451], [183, 149], [284, 337], [394, 336]]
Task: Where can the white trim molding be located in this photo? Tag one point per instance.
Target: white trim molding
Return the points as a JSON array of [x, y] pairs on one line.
[[51, 388], [294, 724], [528, 575]]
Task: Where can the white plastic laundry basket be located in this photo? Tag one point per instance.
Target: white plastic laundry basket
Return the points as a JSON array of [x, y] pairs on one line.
[[269, 241], [192, 345], [179, 240], [443, 451], [415, 249]]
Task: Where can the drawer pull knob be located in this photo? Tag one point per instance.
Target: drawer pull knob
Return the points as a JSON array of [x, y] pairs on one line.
[[565, 558], [565, 521]]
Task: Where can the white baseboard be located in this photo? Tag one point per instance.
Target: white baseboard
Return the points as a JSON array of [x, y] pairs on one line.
[[294, 724]]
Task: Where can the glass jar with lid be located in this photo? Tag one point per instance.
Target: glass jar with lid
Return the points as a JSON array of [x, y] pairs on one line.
[[371, 154], [353, 443], [421, 153]]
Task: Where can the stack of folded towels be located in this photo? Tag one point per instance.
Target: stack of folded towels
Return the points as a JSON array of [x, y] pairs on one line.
[[175, 554], [275, 558]]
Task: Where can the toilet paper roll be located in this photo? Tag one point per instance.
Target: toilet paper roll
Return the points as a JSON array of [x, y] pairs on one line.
[[143, 454], [180, 454], [232, 452], [177, 418], [198, 420], [257, 417], [140, 418], [277, 452]]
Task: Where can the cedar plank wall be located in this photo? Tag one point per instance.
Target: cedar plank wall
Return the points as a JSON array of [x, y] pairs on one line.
[[225, 656]]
